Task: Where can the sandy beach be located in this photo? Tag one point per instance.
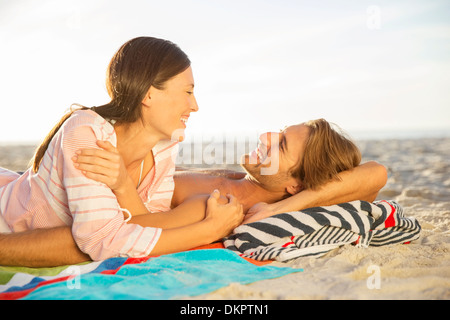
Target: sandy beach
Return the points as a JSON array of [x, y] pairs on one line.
[[419, 180]]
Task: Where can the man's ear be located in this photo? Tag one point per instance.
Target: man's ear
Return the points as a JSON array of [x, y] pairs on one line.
[[294, 188]]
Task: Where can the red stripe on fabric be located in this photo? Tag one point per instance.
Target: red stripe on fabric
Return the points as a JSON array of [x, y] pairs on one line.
[[136, 260], [51, 193], [50, 176], [86, 185], [128, 261], [289, 243], [14, 295], [390, 221], [93, 197], [96, 210], [151, 241]]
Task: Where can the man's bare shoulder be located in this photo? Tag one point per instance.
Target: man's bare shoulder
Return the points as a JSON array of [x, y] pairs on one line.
[[209, 172]]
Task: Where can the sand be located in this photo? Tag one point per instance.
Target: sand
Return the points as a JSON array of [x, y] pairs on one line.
[[419, 179]]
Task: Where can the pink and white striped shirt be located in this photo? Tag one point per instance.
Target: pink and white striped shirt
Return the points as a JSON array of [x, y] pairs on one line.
[[59, 194]]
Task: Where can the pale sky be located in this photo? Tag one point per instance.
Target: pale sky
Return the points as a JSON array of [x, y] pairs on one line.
[[258, 65]]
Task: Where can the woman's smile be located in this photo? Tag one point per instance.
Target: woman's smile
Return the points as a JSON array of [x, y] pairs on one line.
[[184, 120]]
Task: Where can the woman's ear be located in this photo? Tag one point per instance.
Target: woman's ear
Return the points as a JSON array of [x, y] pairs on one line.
[[147, 99]]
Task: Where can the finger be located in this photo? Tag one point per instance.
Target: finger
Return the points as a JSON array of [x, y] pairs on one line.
[[94, 168], [94, 152], [215, 194], [81, 161], [106, 145], [97, 177], [97, 154], [96, 160], [232, 199]]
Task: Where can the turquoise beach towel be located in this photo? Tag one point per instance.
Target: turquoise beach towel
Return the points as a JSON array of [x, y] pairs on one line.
[[172, 276]]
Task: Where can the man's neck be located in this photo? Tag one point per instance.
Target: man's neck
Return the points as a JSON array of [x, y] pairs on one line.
[[249, 192]]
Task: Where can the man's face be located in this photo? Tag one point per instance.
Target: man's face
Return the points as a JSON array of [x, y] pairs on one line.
[[275, 155]]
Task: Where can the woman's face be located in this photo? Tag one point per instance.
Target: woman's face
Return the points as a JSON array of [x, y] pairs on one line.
[[166, 112]]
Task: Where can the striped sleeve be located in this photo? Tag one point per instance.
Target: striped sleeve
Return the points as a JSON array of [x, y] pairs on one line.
[[6, 176], [98, 228]]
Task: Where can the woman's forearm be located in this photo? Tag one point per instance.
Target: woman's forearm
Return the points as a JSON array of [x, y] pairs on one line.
[[361, 183], [190, 211], [218, 220], [184, 238], [128, 198]]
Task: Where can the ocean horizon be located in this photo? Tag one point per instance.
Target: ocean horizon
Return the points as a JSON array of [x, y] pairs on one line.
[[357, 135]]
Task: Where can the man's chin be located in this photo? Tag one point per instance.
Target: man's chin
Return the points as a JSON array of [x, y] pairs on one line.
[[245, 162], [250, 169]]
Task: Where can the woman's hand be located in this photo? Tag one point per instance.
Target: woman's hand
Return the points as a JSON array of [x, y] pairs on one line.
[[103, 165], [223, 217], [258, 211]]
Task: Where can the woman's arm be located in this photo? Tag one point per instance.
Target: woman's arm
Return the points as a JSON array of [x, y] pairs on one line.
[[191, 211], [361, 183], [106, 166], [220, 220]]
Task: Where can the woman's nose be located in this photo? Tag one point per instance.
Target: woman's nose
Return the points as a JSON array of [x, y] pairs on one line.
[[194, 105]]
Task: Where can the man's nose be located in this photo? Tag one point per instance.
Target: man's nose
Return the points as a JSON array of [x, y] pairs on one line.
[[268, 138]]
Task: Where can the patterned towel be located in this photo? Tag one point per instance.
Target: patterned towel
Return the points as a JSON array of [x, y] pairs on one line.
[[316, 231], [172, 276]]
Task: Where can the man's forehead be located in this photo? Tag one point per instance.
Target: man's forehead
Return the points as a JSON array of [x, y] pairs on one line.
[[296, 136], [295, 128]]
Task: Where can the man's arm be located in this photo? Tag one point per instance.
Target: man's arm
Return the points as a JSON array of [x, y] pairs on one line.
[[40, 248], [361, 183], [56, 246]]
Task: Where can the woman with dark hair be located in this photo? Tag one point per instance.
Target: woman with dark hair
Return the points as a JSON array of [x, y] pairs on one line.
[[150, 84]]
